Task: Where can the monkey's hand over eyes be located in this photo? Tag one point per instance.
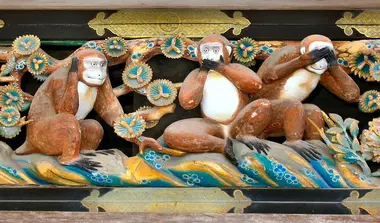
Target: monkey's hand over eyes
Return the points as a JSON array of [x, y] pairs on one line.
[[318, 54], [331, 58], [212, 65], [74, 65]]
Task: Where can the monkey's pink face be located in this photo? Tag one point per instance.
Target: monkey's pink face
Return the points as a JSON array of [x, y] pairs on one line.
[[95, 70], [320, 66], [213, 51]]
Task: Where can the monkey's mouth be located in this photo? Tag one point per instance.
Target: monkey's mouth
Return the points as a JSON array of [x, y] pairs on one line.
[[320, 68], [94, 78]]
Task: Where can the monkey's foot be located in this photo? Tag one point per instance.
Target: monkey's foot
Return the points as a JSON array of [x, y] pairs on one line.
[[251, 142], [254, 143], [86, 164], [304, 149]]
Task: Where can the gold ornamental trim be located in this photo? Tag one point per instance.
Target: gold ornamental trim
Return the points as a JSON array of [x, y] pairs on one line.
[[2, 23], [167, 200], [366, 23], [369, 202], [165, 23]]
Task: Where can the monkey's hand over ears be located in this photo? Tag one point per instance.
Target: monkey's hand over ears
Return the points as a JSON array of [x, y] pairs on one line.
[[74, 65], [318, 54], [212, 65]]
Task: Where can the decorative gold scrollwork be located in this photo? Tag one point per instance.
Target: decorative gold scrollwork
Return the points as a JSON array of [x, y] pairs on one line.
[[366, 23], [165, 23], [167, 200]]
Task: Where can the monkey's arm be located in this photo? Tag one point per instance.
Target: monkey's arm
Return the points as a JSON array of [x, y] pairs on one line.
[[70, 101], [275, 68], [107, 105], [190, 94], [337, 81], [243, 77]]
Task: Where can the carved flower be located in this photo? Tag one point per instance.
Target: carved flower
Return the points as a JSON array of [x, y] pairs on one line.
[[369, 102], [25, 45], [361, 63], [137, 75], [245, 50], [9, 132], [115, 46], [161, 92], [370, 141], [129, 126], [11, 96], [9, 116], [37, 63], [173, 48]]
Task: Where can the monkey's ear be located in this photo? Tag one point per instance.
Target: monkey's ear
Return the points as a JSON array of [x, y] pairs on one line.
[[303, 50], [229, 49]]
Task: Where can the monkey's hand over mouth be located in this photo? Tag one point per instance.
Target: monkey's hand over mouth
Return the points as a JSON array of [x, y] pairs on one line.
[[212, 65]]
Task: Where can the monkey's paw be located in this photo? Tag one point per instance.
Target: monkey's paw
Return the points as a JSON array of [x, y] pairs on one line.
[[209, 64], [86, 164]]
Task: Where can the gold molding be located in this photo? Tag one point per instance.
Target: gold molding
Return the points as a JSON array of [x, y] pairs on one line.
[[167, 200], [366, 23], [2, 23], [370, 202], [164, 23]]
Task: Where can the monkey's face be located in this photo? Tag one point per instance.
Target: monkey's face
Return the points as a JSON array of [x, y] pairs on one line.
[[320, 66], [213, 51], [94, 71]]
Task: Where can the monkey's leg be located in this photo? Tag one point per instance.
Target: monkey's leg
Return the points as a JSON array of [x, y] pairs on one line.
[[91, 134], [294, 120], [195, 135], [314, 114], [252, 119], [56, 135], [294, 128]]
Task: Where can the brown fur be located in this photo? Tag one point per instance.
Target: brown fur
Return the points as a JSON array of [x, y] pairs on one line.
[[55, 130]]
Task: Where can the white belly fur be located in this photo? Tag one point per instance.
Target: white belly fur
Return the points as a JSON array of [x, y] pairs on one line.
[[220, 97], [300, 85], [87, 97]]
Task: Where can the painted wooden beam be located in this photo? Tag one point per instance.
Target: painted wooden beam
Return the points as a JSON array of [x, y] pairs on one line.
[[47, 217], [210, 4]]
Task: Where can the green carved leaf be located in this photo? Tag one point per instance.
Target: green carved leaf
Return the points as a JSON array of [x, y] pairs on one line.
[[334, 130], [342, 140], [354, 129], [339, 148], [337, 119]]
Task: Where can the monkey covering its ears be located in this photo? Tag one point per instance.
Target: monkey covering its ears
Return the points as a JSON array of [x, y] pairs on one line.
[[63, 101]]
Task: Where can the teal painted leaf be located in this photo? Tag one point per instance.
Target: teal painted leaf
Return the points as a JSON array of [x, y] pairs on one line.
[[334, 130], [354, 129], [342, 140], [339, 148], [347, 157], [337, 119], [356, 145]]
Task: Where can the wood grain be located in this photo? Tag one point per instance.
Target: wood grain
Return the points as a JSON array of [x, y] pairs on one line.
[[72, 217], [211, 4]]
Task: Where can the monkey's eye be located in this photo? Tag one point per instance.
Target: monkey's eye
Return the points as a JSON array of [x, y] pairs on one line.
[[205, 50], [216, 50], [93, 64], [103, 65]]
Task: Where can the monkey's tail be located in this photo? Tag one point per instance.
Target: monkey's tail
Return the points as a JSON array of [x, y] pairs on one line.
[[25, 149]]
